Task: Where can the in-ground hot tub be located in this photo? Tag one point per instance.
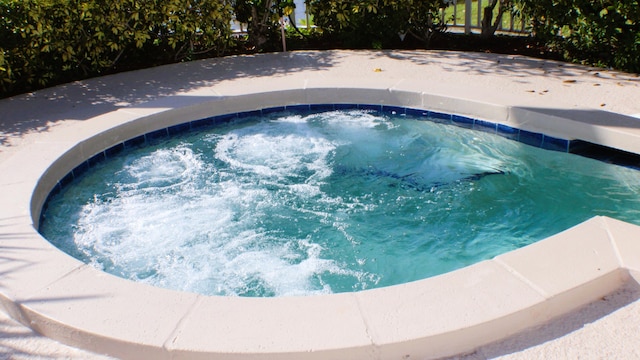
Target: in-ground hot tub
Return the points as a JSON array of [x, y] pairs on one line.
[[445, 315], [290, 201]]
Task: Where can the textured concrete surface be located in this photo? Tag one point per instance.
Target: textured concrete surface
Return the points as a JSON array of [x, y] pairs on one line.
[[607, 328]]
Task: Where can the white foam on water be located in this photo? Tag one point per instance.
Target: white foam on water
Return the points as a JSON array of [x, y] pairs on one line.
[[277, 149], [165, 229], [281, 207], [164, 168]]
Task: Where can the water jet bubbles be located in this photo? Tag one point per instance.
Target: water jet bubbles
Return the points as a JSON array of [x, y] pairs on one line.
[[274, 151], [299, 205], [163, 168]]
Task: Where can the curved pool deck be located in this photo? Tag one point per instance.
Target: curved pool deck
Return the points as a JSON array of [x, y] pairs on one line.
[[46, 134]]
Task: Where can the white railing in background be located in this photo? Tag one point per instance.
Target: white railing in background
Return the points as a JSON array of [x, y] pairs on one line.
[[458, 16], [470, 23]]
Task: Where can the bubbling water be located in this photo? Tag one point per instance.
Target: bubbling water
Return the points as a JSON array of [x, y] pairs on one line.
[[323, 203]]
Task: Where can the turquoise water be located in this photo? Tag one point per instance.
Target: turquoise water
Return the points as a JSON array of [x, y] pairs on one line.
[[325, 203]]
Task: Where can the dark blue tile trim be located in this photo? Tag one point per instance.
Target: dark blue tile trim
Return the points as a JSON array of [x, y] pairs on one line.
[[95, 159], [177, 129], [605, 154], [158, 134], [134, 142], [114, 150], [485, 126], [272, 110], [462, 121], [438, 116], [419, 112], [55, 191], [80, 169], [303, 109], [66, 180], [321, 107], [246, 114], [203, 123], [555, 144], [224, 119], [346, 106], [370, 107], [394, 110], [530, 138], [527, 137], [508, 132]]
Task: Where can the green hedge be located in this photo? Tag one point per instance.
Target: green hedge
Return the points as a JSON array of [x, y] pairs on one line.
[[43, 42], [378, 23], [603, 32]]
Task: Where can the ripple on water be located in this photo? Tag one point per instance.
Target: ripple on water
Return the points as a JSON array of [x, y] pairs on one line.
[[324, 203]]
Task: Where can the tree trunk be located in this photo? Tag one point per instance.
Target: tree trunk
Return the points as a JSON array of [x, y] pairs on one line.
[[489, 27], [258, 30]]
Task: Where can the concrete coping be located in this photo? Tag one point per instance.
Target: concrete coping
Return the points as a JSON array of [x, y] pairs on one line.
[[69, 301]]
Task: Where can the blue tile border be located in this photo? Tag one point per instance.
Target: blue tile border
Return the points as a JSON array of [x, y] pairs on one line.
[[345, 106], [530, 138], [440, 117], [66, 180], [114, 150], [321, 107], [419, 113], [252, 113], [394, 110], [271, 110], [377, 108], [462, 121], [555, 144], [508, 132], [485, 126], [301, 109], [224, 119], [135, 142], [202, 123], [95, 159], [177, 129], [540, 140], [605, 154], [80, 169], [156, 134]]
